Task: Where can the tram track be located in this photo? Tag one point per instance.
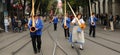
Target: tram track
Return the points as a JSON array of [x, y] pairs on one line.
[[101, 44], [13, 42], [15, 52], [10, 36], [98, 31], [57, 44], [105, 38]]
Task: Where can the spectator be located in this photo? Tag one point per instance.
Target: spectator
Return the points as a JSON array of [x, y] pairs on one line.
[[6, 23], [111, 22]]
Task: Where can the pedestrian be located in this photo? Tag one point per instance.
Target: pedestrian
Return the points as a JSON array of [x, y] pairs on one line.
[[92, 24], [66, 26], [78, 31], [111, 22], [9, 19], [118, 19], [13, 23], [19, 25], [6, 23], [105, 21], [55, 21], [114, 21], [16, 24], [36, 36]]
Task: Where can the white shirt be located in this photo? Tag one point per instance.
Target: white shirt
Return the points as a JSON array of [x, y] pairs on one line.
[[80, 20], [92, 19], [6, 22]]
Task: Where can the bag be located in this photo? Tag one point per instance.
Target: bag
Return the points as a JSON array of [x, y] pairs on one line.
[[79, 30]]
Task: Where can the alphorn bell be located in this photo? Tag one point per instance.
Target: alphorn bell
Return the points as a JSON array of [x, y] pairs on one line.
[[65, 26], [80, 24], [33, 29]]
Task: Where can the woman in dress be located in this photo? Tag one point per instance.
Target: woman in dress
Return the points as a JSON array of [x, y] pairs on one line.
[[78, 31]]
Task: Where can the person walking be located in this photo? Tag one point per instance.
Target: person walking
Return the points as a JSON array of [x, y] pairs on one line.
[[78, 31], [36, 36], [66, 26], [92, 24], [55, 21], [6, 23], [105, 21], [111, 22]]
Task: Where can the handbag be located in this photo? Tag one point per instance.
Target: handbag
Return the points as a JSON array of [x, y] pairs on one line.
[[79, 30]]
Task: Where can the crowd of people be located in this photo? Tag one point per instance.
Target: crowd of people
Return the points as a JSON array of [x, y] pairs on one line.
[[15, 24], [109, 21]]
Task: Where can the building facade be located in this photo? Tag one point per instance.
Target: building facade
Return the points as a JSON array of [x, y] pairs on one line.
[[106, 6]]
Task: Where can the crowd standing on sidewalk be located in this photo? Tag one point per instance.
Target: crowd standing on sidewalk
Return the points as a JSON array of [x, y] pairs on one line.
[[15, 24], [109, 21]]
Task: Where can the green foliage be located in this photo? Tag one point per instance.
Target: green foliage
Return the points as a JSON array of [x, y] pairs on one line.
[[52, 4]]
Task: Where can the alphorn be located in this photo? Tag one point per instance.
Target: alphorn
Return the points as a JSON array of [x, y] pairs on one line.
[[91, 11], [80, 24], [90, 7], [65, 26], [33, 29]]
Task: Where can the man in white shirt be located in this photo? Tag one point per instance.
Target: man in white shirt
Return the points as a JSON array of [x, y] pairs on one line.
[[6, 23]]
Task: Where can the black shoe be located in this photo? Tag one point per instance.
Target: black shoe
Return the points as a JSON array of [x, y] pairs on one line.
[[72, 46], [81, 48], [35, 52], [65, 37], [89, 35], [38, 51], [94, 36]]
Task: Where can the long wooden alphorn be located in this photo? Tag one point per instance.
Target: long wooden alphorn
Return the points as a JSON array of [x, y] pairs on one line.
[[80, 25], [33, 29], [90, 7], [65, 25], [74, 13], [91, 12]]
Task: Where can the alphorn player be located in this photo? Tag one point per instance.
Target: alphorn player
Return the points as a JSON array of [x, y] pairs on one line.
[[78, 30], [92, 22], [66, 25], [36, 35], [55, 21], [35, 26]]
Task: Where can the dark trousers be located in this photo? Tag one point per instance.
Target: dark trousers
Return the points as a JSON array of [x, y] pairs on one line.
[[36, 42], [55, 26], [66, 31], [92, 29]]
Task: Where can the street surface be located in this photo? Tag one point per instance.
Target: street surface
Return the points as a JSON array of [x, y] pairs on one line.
[[105, 43]]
